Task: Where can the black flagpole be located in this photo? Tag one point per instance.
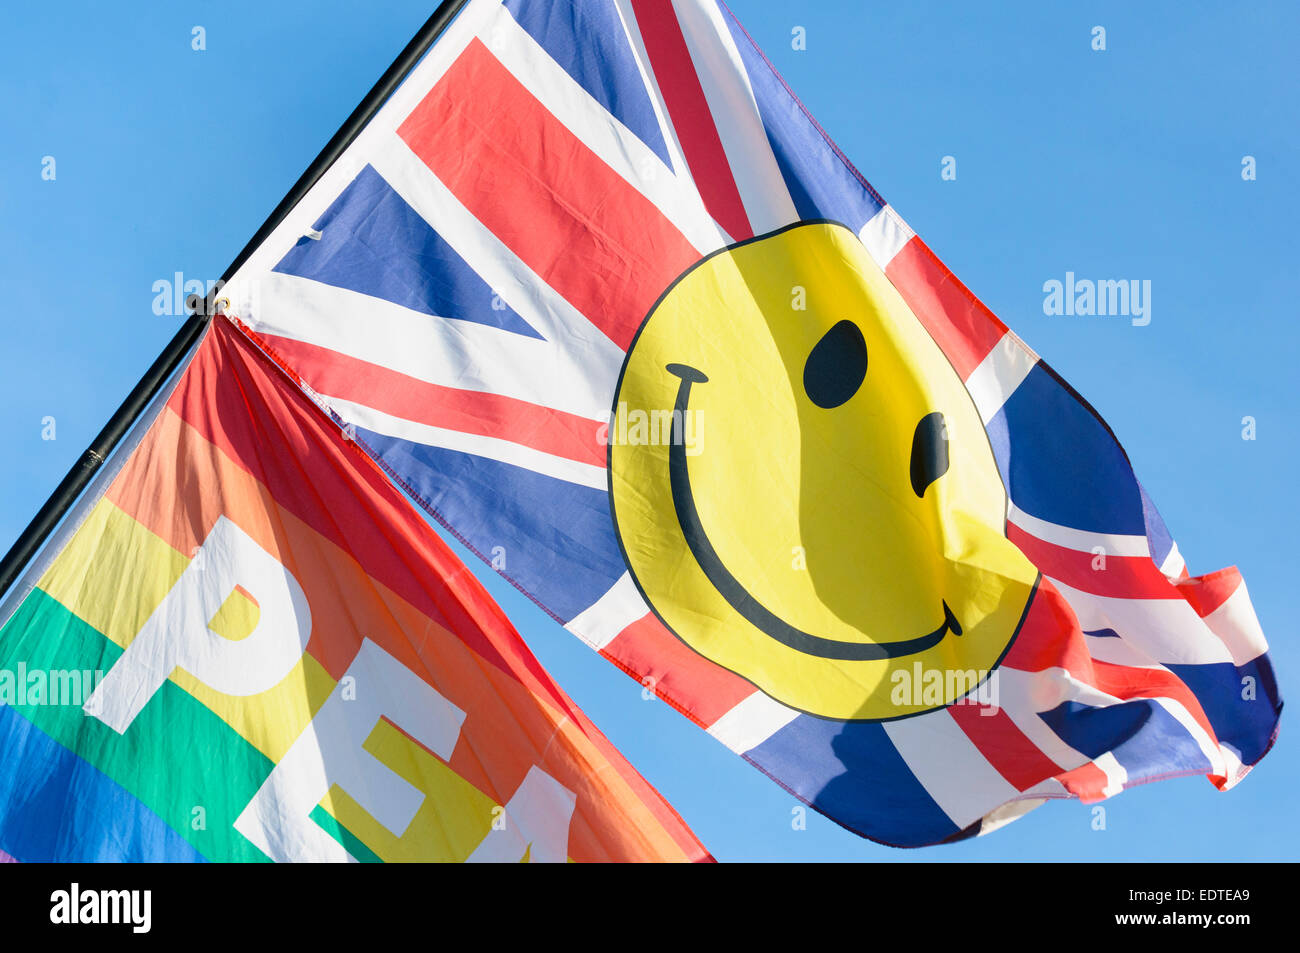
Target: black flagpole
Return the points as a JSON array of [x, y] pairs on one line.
[[72, 485]]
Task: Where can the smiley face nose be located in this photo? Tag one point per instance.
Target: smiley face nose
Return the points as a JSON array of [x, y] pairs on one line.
[[929, 452]]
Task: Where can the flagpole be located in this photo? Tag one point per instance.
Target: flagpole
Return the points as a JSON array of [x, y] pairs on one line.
[[78, 478]]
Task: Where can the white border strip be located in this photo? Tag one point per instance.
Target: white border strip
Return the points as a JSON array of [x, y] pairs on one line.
[[885, 234], [490, 448], [752, 721], [998, 376], [601, 622]]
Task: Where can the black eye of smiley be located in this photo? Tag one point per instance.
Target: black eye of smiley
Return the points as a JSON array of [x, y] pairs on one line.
[[836, 366]]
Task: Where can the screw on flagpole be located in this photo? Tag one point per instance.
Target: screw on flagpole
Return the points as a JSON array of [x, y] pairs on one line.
[[49, 516]]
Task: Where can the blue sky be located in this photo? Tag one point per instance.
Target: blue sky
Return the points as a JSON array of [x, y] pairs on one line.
[[1117, 164]]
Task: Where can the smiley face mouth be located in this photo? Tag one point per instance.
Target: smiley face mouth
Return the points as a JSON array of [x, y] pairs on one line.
[[730, 588]]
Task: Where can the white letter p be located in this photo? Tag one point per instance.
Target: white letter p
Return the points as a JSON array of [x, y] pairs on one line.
[[177, 634]]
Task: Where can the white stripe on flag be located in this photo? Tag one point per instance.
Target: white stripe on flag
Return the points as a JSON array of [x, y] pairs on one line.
[[885, 234], [1022, 695], [583, 353], [491, 448], [1173, 565], [1237, 626], [642, 58], [1118, 652], [735, 113], [997, 376], [1012, 811], [1027, 693], [1045, 690], [602, 621], [459, 354], [1047, 789], [1209, 746], [1232, 762], [1116, 775], [1168, 631], [752, 721], [414, 88], [619, 148], [1081, 540], [949, 766]]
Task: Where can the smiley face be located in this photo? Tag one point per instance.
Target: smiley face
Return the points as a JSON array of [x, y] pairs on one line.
[[803, 489]]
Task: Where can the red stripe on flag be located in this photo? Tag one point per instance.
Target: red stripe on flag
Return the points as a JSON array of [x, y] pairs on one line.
[[489, 415], [1121, 577], [964, 329], [1207, 593], [1127, 682], [698, 688], [1004, 745], [1086, 782], [574, 221], [1050, 636], [688, 108]]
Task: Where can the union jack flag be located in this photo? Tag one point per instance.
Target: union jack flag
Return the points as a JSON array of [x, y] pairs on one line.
[[461, 287]]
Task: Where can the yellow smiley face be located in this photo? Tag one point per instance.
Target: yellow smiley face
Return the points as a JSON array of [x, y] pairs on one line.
[[802, 486]]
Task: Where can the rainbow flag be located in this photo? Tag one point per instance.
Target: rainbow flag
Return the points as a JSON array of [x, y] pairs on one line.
[[251, 647]]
